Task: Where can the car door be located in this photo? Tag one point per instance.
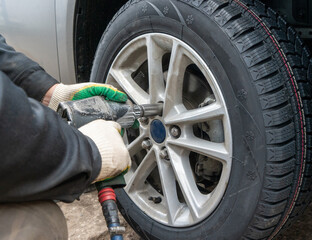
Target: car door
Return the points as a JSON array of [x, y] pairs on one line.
[[30, 27]]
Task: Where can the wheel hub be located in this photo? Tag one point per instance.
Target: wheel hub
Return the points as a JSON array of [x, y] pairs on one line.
[[158, 131]]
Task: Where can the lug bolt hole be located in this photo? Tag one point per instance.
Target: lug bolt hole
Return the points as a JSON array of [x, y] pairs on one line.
[[156, 200]]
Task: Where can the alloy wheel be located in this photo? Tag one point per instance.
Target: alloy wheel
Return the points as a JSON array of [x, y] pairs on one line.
[[182, 159]]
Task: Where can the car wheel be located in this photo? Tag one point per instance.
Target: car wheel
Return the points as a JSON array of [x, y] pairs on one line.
[[228, 158]]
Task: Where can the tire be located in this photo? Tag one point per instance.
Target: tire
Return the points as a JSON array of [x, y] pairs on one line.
[[260, 73]]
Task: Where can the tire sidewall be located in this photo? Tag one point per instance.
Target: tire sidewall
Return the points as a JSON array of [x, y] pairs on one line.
[[235, 211]]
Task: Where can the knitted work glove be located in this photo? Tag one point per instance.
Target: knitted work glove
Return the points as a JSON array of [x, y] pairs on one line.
[[115, 156], [64, 93]]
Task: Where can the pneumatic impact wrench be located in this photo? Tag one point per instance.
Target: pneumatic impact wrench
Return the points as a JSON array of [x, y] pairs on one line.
[[80, 112]]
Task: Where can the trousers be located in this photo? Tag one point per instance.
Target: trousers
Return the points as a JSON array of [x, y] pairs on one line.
[[38, 220]]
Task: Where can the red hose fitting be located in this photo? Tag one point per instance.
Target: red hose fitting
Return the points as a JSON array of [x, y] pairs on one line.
[[106, 194]]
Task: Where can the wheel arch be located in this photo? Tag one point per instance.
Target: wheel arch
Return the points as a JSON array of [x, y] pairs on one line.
[[90, 21]]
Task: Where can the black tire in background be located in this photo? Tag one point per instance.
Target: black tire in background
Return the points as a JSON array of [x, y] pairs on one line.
[[264, 72]]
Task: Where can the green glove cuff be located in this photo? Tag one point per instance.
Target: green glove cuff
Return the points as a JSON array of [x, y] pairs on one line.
[[109, 92], [136, 124]]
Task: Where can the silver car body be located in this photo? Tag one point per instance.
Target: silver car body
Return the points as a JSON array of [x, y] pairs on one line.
[[52, 22]]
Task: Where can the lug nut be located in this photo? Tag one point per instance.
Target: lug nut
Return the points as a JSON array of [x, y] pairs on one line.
[[175, 131], [164, 154], [144, 120], [147, 144]]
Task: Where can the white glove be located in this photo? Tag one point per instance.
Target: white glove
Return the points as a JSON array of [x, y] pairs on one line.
[[64, 93], [115, 156]]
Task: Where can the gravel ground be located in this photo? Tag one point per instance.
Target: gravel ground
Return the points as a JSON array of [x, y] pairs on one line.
[[85, 222]]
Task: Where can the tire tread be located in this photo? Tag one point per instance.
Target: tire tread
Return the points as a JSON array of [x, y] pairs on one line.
[[251, 27]]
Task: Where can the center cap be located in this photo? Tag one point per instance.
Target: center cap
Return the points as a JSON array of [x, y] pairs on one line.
[[158, 131]]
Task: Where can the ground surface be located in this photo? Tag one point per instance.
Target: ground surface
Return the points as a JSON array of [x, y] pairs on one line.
[[85, 222]]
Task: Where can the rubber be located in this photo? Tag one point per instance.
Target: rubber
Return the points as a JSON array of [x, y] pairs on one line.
[[265, 73]]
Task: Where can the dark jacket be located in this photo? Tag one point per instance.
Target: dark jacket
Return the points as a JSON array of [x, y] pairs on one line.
[[41, 156]]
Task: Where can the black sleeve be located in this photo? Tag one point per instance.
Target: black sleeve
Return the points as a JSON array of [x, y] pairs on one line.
[[24, 72], [42, 157]]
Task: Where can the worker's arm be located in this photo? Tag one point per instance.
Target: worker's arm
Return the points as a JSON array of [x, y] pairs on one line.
[[24, 72], [41, 156], [39, 85]]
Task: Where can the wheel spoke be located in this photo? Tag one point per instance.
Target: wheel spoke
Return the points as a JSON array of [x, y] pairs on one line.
[[207, 73], [139, 176], [125, 81], [214, 150], [176, 71], [198, 115], [155, 71], [194, 199], [136, 145], [168, 182]]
